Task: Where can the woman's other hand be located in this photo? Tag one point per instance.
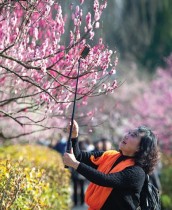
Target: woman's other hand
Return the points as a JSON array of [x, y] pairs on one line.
[[70, 160]]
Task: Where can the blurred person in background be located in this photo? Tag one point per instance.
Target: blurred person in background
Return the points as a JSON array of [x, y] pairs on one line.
[[107, 144], [89, 145], [60, 145], [116, 177], [78, 181], [98, 146]]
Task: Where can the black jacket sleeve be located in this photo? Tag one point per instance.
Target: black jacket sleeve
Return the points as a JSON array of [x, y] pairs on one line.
[[130, 178], [82, 156]]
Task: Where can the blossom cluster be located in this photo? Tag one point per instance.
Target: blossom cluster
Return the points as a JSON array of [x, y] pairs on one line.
[[38, 70]]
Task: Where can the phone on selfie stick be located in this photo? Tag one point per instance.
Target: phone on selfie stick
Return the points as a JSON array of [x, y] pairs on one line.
[[83, 55]]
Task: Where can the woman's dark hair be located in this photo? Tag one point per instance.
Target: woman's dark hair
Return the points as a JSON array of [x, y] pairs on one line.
[[148, 155]]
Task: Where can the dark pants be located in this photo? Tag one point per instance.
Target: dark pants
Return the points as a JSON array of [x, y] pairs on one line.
[[78, 186]]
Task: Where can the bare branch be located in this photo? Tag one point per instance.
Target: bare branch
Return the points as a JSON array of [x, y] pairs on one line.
[[10, 116]]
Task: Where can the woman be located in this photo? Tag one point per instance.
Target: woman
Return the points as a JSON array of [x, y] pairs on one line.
[[116, 177]]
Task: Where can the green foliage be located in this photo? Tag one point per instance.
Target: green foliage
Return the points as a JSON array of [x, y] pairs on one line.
[[166, 182], [33, 177], [166, 202], [141, 29]]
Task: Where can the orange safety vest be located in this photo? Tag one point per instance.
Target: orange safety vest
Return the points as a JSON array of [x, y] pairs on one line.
[[96, 195]]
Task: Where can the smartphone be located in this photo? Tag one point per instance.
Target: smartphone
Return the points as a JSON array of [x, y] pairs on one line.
[[85, 52]]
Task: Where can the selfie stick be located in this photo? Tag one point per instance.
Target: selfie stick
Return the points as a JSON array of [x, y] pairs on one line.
[[83, 55]]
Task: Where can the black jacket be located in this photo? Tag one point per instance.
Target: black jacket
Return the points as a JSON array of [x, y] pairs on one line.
[[126, 184]]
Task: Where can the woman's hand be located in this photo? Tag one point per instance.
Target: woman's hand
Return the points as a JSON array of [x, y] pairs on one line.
[[75, 129], [70, 160]]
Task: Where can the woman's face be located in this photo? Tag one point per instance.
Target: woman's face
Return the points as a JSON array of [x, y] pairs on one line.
[[130, 143]]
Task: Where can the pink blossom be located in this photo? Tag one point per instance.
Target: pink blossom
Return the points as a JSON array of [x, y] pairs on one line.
[[97, 25], [97, 16], [90, 113], [92, 34], [82, 1], [43, 65], [88, 20], [2, 80]]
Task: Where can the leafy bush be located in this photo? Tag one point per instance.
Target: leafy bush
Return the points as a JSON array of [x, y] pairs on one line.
[[33, 177], [166, 182]]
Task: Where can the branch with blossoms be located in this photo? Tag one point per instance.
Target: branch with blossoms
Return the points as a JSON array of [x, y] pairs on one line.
[[38, 71]]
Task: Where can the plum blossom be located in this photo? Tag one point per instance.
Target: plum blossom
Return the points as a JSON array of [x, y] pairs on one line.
[[39, 69]]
